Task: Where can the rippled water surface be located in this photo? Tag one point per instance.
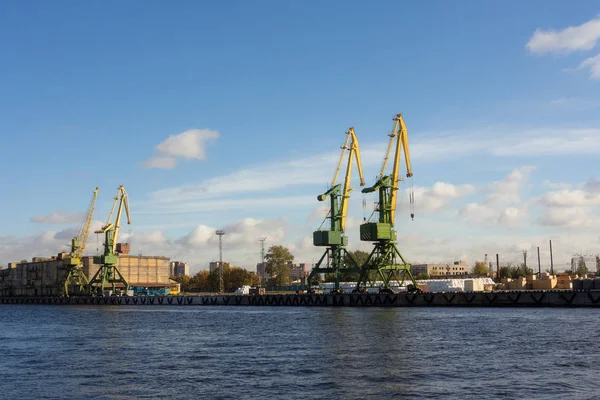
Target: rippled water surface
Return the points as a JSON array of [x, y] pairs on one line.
[[125, 352]]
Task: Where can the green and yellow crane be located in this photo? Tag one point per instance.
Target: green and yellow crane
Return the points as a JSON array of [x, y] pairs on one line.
[[108, 273], [75, 276], [385, 263], [336, 258]]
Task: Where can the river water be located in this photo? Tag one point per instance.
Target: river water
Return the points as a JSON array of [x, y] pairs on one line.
[[160, 352]]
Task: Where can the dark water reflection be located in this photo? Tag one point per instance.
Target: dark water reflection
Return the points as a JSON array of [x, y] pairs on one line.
[[103, 352]]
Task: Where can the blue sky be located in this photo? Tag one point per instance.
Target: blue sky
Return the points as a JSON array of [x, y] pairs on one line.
[[498, 99]]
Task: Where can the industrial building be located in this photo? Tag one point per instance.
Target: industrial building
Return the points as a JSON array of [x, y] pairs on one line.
[[456, 268], [179, 268], [214, 265], [46, 277], [297, 271]]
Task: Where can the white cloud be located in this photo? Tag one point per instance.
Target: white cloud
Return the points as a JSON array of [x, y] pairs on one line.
[[503, 203], [58, 217], [576, 217], [568, 198], [593, 65], [573, 38], [555, 185], [188, 145], [572, 208], [439, 195], [160, 162]]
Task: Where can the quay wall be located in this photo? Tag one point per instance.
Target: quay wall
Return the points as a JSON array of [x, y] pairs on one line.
[[552, 298]]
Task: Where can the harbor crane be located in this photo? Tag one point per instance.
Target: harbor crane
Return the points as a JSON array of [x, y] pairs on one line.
[[108, 273], [336, 258], [385, 263], [75, 275]]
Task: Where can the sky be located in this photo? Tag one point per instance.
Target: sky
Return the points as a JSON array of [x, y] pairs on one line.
[[230, 115]]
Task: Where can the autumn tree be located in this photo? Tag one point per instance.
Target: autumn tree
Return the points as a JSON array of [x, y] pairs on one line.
[[277, 267], [581, 267], [480, 268], [184, 281]]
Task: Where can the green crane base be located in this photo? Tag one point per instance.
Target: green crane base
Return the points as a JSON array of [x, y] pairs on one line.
[[386, 264], [75, 278], [106, 275], [333, 261]]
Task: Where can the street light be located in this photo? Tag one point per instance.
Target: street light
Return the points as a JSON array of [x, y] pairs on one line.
[[220, 233], [262, 255]]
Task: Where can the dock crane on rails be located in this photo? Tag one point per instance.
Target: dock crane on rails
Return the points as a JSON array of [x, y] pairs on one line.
[[108, 273], [385, 263], [75, 275], [336, 257]]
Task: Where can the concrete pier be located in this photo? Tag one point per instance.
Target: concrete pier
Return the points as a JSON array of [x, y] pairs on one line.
[[548, 298]]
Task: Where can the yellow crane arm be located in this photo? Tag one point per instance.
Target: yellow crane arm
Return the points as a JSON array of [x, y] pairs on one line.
[[123, 202], [401, 135], [353, 152], [82, 235], [344, 148]]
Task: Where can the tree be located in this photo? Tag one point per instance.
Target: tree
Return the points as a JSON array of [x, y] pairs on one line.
[[277, 267], [423, 276], [236, 277], [360, 257], [480, 269], [184, 281], [199, 282], [581, 267], [597, 265]]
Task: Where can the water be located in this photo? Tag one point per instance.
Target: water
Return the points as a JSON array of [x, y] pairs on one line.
[[103, 352]]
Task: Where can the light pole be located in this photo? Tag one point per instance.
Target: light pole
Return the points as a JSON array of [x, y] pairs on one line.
[[220, 233], [262, 256]]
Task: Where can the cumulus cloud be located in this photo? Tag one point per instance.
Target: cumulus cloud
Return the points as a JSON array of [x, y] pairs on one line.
[[572, 208], [592, 64], [187, 145], [439, 195], [503, 203], [58, 217], [573, 38]]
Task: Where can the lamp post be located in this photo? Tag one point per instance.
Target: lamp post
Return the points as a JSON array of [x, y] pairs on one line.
[[220, 233], [262, 256]]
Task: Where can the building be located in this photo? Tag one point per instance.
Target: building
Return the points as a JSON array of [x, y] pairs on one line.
[[214, 265], [456, 268], [261, 271], [179, 268], [297, 271], [47, 276]]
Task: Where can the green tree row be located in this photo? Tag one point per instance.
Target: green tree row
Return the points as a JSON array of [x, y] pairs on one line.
[[205, 281]]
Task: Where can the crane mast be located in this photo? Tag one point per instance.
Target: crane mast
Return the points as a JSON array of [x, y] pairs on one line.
[[336, 258], [385, 263], [75, 275], [108, 273]]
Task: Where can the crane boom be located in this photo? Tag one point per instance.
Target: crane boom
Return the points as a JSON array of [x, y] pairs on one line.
[[354, 151], [82, 234], [401, 135]]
